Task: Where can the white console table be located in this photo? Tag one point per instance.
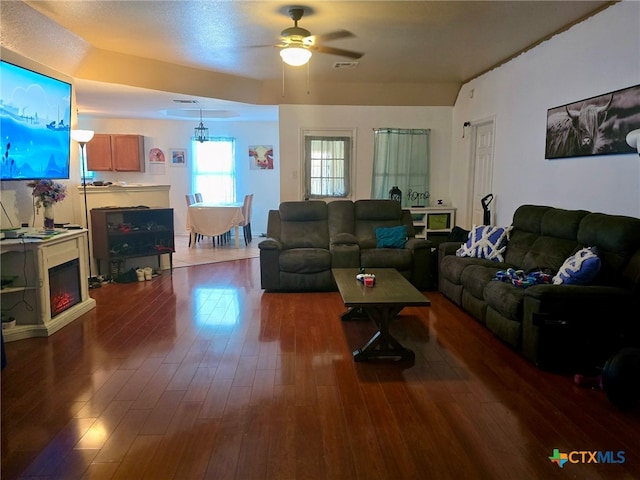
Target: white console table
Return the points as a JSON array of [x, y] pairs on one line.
[[27, 261]]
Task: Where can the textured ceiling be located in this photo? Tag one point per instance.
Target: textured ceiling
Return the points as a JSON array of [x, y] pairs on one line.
[[415, 52]]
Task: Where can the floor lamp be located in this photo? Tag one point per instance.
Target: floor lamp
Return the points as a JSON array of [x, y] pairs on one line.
[[82, 137]]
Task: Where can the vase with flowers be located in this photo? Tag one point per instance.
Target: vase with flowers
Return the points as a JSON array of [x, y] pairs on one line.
[[47, 193]]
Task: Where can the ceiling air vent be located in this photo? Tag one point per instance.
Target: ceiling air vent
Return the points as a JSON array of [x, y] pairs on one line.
[[185, 101], [345, 65]]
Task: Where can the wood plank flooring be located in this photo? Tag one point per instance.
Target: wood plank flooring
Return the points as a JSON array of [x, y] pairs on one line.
[[202, 375]]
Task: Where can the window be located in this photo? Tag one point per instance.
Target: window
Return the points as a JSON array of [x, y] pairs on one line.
[[214, 170], [327, 165]]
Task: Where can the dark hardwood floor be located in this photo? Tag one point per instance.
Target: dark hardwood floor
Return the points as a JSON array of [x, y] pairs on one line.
[[200, 374]]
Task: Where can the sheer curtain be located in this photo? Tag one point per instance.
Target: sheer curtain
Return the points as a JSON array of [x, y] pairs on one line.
[[401, 158]]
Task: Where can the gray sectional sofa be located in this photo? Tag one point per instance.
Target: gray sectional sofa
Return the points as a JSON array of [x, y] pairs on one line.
[[306, 239], [555, 326]]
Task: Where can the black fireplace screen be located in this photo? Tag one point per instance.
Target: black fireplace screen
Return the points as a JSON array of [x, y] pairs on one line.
[[64, 286]]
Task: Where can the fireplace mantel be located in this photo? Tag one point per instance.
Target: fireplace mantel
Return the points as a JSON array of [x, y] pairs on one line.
[[28, 260]]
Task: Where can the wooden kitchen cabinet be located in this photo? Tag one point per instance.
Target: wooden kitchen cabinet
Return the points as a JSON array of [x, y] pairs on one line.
[[115, 152]]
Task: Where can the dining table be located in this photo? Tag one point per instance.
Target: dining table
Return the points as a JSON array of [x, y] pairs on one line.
[[213, 219]]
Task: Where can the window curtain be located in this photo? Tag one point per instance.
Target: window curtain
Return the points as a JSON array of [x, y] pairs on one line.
[[401, 158]]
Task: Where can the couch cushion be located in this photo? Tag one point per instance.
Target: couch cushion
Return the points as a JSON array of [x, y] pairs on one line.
[[506, 299], [528, 251], [305, 260], [520, 242], [372, 214], [557, 240], [476, 277], [617, 238], [452, 266], [391, 237], [303, 211], [547, 254], [560, 223], [527, 225], [341, 217], [304, 225], [529, 218], [486, 241], [579, 269], [377, 210]]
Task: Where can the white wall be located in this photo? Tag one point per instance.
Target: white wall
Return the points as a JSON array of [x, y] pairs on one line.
[[295, 118], [598, 56], [169, 134]]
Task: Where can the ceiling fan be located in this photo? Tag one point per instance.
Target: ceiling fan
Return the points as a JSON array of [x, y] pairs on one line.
[[297, 43]]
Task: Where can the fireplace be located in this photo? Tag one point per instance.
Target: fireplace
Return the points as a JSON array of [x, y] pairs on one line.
[[64, 286]]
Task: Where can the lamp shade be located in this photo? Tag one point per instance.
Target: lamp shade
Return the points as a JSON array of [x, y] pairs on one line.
[[633, 139], [295, 55], [81, 136]]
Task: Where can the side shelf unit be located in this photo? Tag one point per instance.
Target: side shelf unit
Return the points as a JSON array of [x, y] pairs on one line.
[[433, 221], [122, 233]]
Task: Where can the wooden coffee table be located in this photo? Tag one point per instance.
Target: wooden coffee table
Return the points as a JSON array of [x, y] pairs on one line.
[[381, 303]]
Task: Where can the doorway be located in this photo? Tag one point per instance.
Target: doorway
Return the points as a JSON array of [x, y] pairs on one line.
[[481, 165]]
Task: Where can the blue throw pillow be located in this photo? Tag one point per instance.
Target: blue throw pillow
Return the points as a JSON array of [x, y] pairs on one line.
[[486, 241], [391, 237], [579, 269]]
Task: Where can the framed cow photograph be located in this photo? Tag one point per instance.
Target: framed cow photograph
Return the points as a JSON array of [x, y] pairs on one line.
[[594, 126]]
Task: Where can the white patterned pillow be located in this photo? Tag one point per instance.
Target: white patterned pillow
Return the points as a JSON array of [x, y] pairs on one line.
[[486, 241], [579, 269]]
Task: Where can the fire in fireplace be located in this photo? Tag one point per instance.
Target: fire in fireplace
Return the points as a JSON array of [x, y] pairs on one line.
[[64, 286]]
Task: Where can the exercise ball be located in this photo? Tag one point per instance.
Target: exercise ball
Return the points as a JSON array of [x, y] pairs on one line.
[[621, 378]]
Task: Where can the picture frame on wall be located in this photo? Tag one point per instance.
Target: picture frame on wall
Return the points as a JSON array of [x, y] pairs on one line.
[[178, 157], [261, 157], [593, 126]]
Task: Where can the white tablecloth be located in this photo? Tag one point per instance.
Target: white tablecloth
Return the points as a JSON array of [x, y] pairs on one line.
[[212, 219]]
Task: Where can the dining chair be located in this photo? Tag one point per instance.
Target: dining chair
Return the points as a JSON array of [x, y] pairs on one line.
[[191, 199], [246, 213]]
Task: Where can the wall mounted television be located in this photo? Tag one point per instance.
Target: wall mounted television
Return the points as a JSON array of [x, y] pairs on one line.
[[35, 117]]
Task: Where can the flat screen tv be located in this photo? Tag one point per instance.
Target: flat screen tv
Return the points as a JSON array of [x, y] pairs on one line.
[[35, 114]]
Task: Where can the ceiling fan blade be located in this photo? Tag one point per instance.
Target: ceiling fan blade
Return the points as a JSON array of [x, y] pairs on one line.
[[326, 37], [262, 46], [336, 51]]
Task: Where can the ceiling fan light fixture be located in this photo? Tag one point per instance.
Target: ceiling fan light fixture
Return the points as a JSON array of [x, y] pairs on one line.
[[201, 133], [295, 56]]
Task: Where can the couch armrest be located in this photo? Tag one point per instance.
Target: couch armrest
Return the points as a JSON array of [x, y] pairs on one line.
[[414, 244], [423, 258], [344, 239], [587, 294], [345, 255], [448, 248], [576, 303], [270, 244], [574, 324]]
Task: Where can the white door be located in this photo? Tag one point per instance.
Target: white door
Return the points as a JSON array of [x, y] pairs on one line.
[[481, 168]]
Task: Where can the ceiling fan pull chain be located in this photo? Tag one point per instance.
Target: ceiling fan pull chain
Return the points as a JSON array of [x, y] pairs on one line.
[[308, 75], [282, 79]]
